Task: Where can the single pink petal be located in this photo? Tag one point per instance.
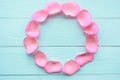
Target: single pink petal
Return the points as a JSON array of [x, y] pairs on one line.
[[84, 18], [40, 59], [53, 8], [40, 16], [92, 29], [71, 67], [70, 9], [91, 43], [30, 44], [53, 67], [32, 29], [84, 58]]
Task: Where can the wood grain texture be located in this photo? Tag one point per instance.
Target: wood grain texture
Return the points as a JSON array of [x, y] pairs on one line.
[[67, 33], [20, 63], [24, 9], [63, 77], [61, 39]]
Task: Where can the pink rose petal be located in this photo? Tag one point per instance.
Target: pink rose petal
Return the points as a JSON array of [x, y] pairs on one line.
[[30, 45], [40, 16], [32, 29], [92, 29], [84, 58], [91, 44], [71, 67], [40, 59], [70, 9], [53, 67], [53, 8], [84, 19]]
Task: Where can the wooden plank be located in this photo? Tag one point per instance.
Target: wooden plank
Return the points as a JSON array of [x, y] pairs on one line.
[[63, 77], [67, 33], [15, 61], [24, 8]]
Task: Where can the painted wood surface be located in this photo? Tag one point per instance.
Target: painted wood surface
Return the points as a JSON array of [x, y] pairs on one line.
[[61, 39]]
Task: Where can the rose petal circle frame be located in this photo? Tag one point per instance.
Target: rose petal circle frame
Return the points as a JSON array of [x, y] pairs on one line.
[[89, 28]]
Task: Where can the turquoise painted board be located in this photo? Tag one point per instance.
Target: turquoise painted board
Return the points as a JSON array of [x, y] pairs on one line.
[[60, 42], [13, 30]]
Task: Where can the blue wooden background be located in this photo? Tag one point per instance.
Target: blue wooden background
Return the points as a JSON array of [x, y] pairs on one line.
[[61, 39]]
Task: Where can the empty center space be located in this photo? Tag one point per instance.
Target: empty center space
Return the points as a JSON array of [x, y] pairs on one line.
[[60, 31], [59, 37]]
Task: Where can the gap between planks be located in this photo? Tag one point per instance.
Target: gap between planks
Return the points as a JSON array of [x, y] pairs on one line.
[[29, 18], [56, 74], [68, 46]]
